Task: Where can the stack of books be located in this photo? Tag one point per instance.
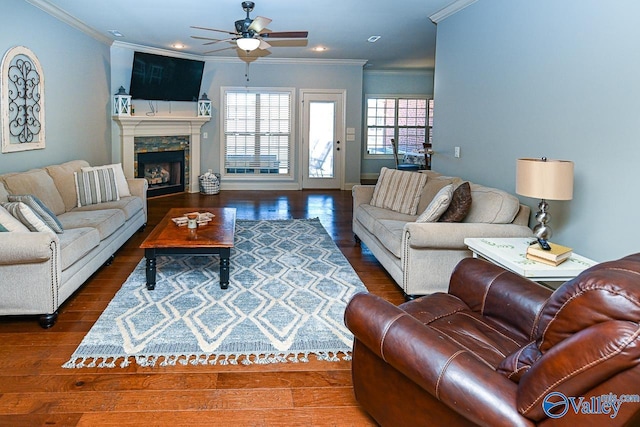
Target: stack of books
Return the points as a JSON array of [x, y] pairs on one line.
[[556, 256]]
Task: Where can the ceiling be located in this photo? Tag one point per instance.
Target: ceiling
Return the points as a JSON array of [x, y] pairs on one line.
[[407, 34]]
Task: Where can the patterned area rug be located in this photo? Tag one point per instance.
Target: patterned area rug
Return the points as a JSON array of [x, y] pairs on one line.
[[289, 286]]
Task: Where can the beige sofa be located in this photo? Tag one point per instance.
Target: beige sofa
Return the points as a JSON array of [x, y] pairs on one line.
[[40, 270], [421, 256]]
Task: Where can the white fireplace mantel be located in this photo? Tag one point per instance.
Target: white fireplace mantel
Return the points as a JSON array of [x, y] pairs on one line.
[[132, 126]]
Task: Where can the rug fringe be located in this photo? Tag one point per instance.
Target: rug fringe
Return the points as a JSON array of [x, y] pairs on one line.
[[204, 359]]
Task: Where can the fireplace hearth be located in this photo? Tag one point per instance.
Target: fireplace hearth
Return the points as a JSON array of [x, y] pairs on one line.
[[163, 170]]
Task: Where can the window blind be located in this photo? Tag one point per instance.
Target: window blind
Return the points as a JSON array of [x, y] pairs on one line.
[[257, 132]]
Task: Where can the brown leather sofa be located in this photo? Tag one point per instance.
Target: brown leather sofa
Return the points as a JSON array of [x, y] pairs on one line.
[[500, 350]]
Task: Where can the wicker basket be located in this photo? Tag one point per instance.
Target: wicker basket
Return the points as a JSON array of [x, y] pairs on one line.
[[209, 184]]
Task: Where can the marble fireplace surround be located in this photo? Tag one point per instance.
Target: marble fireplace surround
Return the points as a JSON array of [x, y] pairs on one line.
[[132, 126]]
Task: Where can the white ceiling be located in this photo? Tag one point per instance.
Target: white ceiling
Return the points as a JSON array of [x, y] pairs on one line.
[[342, 26]]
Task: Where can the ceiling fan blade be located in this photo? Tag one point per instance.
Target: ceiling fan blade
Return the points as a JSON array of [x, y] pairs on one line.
[[204, 38], [259, 23], [218, 50], [213, 29], [218, 41], [264, 45], [286, 35]]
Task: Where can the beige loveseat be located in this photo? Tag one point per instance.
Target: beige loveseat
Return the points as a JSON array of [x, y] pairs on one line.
[[421, 256], [40, 270]]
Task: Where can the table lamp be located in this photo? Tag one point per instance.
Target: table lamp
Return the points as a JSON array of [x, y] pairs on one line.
[[546, 180]]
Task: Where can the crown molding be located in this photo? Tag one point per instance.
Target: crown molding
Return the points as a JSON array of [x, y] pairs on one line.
[[450, 10], [63, 16], [156, 50], [229, 59]]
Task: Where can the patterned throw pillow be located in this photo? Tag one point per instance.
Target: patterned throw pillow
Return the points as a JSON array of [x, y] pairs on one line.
[[40, 209], [121, 180], [9, 222], [460, 204], [398, 190], [438, 205], [26, 216], [96, 186]]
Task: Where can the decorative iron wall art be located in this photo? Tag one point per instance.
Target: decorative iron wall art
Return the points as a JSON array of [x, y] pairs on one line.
[[22, 101]]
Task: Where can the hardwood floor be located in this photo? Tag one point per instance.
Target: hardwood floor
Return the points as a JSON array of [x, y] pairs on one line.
[[36, 390]]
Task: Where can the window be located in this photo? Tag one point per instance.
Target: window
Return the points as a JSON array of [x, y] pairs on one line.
[[407, 120], [257, 132]]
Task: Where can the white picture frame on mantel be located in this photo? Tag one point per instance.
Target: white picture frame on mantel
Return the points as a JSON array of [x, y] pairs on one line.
[[22, 118]]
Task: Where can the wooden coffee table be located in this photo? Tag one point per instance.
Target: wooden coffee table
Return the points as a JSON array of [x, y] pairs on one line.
[[213, 238]]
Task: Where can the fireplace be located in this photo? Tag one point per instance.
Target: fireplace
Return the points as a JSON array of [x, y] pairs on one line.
[[163, 170]]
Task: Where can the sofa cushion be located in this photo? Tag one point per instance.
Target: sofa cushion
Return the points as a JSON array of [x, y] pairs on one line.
[[3, 193], [76, 243], [27, 217], [62, 176], [96, 186], [460, 204], [398, 190], [368, 215], [10, 223], [39, 208], [121, 181], [106, 221], [438, 205], [492, 206], [128, 205], [464, 327], [389, 233], [36, 182]]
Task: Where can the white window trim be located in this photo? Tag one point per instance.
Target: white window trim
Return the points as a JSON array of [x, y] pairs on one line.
[[290, 177], [365, 136]]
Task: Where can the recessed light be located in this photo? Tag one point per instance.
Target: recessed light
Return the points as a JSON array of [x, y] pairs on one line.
[[319, 49], [373, 39], [115, 33], [178, 46]]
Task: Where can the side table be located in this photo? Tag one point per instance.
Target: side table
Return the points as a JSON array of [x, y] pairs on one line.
[[510, 253]]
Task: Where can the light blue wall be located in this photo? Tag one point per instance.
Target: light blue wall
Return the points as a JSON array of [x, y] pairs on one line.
[[262, 73], [546, 78], [77, 101], [390, 83]]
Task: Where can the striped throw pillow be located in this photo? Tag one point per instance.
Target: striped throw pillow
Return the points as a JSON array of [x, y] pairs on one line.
[[96, 186], [40, 209], [10, 223], [25, 215], [398, 190]]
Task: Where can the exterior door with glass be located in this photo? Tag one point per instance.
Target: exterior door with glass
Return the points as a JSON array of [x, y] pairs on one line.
[[323, 139]]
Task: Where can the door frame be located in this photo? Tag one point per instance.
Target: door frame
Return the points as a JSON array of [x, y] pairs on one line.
[[341, 122]]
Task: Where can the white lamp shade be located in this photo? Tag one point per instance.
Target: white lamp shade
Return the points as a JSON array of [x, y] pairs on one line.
[[248, 43], [544, 179]]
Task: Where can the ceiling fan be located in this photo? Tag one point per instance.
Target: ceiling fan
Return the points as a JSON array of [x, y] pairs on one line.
[[250, 33]]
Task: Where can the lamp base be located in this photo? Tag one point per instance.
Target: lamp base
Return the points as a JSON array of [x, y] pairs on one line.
[[542, 230]]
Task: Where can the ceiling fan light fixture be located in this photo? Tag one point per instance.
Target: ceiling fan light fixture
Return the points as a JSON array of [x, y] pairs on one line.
[[248, 43]]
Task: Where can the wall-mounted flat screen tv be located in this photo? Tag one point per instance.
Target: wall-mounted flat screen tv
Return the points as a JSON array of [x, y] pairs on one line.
[[164, 78]]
